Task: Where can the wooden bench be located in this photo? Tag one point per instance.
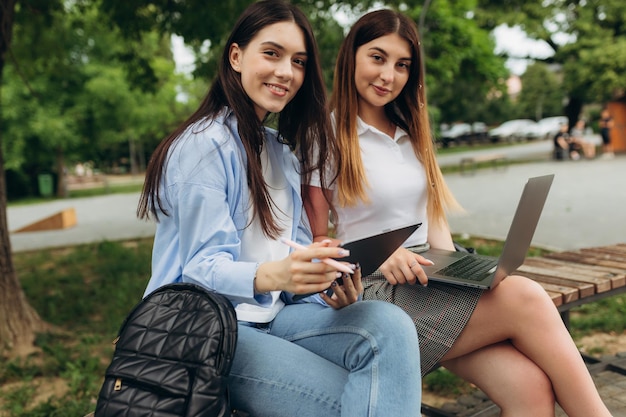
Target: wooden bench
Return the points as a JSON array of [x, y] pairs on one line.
[[469, 164], [572, 278], [578, 277]]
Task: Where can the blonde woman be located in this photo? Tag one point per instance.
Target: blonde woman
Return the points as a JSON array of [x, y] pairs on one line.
[[510, 341]]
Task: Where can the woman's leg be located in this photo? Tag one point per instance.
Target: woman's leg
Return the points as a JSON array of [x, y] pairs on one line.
[[374, 340], [589, 149], [519, 310], [271, 377], [520, 391]]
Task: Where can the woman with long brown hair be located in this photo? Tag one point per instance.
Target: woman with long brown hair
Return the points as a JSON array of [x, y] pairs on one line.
[[509, 341], [225, 191]]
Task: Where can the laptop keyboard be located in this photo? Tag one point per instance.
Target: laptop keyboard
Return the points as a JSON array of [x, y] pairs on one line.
[[469, 267]]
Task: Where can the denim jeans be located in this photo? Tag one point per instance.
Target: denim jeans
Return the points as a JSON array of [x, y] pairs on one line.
[[312, 361]]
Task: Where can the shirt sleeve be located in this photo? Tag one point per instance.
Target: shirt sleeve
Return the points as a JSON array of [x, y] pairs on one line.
[[205, 189]]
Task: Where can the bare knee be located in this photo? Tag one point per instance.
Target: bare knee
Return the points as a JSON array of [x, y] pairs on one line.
[[524, 293]]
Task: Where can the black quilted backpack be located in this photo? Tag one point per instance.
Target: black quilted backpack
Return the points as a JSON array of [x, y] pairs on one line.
[[172, 357]]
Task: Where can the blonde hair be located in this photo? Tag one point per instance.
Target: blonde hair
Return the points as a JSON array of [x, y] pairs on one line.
[[408, 111]]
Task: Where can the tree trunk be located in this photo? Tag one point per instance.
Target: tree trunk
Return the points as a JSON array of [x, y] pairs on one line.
[[18, 320], [572, 110]]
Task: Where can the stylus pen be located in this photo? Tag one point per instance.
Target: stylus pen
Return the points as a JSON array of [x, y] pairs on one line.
[[328, 261]]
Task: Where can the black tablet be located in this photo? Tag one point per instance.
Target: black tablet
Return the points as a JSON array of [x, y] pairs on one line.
[[370, 252]]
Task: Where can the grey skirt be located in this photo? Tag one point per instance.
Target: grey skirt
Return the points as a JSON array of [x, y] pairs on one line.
[[440, 311]]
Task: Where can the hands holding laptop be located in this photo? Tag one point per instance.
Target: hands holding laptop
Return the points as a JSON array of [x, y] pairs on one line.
[[404, 267]]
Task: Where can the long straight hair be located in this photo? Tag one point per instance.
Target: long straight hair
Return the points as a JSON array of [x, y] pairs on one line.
[[304, 123], [408, 111]]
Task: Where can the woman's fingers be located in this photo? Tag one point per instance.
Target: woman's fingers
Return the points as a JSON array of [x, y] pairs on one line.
[[404, 267], [313, 269], [418, 272], [344, 293]]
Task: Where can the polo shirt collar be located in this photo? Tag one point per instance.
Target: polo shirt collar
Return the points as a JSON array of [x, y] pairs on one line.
[[362, 128]]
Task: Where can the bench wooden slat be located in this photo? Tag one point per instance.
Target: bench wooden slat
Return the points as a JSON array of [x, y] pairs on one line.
[[606, 254], [586, 286], [586, 259], [619, 250], [616, 276], [536, 265]]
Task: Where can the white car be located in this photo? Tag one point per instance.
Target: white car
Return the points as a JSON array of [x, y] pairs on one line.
[[456, 134], [530, 131], [550, 126], [512, 130]]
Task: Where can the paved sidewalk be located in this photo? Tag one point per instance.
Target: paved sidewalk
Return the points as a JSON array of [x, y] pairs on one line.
[[585, 206], [109, 217]]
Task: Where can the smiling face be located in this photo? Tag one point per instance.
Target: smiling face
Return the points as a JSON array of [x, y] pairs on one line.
[[381, 72], [272, 66]]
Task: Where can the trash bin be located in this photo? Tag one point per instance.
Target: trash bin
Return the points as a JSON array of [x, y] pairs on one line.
[[45, 185]]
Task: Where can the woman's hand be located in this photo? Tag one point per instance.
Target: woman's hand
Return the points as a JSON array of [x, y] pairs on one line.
[[301, 272], [404, 267], [345, 291]]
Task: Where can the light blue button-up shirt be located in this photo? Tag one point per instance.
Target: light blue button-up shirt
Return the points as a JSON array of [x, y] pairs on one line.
[[205, 193]]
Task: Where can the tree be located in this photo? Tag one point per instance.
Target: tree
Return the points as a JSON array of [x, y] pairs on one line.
[[592, 55], [542, 94], [18, 320], [84, 92]]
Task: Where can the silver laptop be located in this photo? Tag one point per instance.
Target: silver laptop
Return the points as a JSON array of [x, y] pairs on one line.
[[485, 271]]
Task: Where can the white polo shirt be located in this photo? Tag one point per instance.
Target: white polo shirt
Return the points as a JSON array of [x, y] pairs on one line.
[[397, 189]]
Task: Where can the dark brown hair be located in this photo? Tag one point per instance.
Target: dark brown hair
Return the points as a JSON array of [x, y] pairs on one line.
[[304, 122]]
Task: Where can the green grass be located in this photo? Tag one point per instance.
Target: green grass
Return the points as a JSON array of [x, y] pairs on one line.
[[86, 292]]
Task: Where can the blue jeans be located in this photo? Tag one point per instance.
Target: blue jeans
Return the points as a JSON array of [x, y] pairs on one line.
[[311, 361]]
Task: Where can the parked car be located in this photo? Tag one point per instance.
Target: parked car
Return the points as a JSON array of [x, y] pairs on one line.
[[511, 130], [480, 132], [463, 132], [549, 126], [456, 134], [529, 131]]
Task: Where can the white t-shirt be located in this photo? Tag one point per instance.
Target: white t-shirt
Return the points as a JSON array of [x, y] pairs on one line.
[[255, 247], [397, 189]]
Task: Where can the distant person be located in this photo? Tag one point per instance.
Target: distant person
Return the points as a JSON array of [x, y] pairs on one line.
[[578, 141], [562, 143], [79, 170], [606, 124]]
